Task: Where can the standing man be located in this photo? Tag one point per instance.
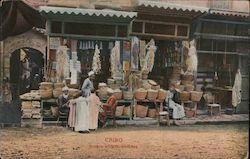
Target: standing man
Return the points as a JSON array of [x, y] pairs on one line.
[[87, 85]]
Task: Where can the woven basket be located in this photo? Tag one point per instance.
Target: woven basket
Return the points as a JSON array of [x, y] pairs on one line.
[[152, 94], [26, 105], [152, 113], [126, 111], [54, 110], [46, 85], [140, 94], [45, 94], [189, 87], [75, 86], [146, 85], [184, 96], [57, 92], [141, 111], [74, 92], [187, 77], [58, 85], [196, 96], [119, 110], [184, 82], [162, 94], [189, 113], [127, 95], [118, 94]]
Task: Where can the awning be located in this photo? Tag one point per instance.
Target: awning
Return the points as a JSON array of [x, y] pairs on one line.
[[172, 6], [229, 13], [47, 10]]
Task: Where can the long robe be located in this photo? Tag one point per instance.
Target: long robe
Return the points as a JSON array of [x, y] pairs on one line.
[[236, 92], [178, 110], [94, 103], [82, 114], [87, 86], [72, 114]]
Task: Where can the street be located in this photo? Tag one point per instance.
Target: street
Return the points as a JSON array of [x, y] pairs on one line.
[[190, 141]]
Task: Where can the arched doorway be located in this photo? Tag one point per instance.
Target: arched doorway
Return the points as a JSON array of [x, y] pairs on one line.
[[26, 64]]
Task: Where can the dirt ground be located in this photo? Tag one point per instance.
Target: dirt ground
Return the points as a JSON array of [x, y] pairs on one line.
[[196, 141]]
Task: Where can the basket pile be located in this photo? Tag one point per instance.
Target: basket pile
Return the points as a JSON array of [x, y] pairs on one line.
[[46, 90], [184, 96], [162, 94], [127, 95], [119, 110], [140, 94], [196, 96], [152, 94], [141, 111]]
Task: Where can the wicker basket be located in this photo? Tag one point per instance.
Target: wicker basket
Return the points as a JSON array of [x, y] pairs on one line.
[[162, 94], [184, 96], [126, 111], [140, 94], [57, 92], [187, 77], [189, 87], [152, 94], [75, 86], [74, 92], [196, 96], [58, 85], [119, 110], [141, 111], [152, 113], [189, 113], [146, 85], [45, 94], [46, 85], [127, 95], [26, 105], [118, 94]]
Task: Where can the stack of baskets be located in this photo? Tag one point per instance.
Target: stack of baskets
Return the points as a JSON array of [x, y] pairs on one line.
[[126, 111], [162, 94], [152, 94], [187, 81], [57, 89], [119, 110], [152, 113], [184, 96], [141, 111], [45, 90], [127, 95]]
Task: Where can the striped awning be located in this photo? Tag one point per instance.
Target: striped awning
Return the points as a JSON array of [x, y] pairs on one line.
[[171, 6], [86, 12]]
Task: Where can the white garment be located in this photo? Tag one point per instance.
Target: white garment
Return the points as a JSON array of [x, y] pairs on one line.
[[82, 114], [236, 92], [178, 110]]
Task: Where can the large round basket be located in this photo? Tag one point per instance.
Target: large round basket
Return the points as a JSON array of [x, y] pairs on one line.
[[75, 86], [140, 94], [46, 85], [196, 96], [184, 96], [57, 92], [127, 95], [152, 113], [119, 110], [146, 85], [74, 92], [141, 111], [187, 77], [118, 94], [157, 87], [152, 94], [58, 85], [162, 94], [45, 94], [126, 111]]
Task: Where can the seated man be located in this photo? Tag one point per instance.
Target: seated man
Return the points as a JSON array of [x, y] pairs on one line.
[[63, 101], [108, 108]]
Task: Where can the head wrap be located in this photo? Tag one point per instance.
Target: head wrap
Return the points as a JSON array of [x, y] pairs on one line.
[[65, 88], [91, 73]]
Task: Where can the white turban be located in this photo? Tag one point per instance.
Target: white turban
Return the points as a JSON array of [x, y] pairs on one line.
[[65, 88], [91, 73]]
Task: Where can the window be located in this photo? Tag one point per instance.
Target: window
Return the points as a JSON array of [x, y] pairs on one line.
[[221, 4]]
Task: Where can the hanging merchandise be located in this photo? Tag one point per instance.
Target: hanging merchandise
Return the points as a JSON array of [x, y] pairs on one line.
[[236, 92], [142, 53], [134, 52], [96, 65], [62, 63], [111, 45], [115, 65], [191, 61], [73, 46], [151, 49]]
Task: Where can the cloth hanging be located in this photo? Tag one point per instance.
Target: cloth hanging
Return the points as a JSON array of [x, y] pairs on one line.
[[134, 52], [96, 64], [236, 92], [142, 53]]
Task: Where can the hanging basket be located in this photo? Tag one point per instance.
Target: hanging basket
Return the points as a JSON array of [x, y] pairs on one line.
[[140, 94], [152, 94], [184, 96], [141, 111], [196, 96], [162, 94]]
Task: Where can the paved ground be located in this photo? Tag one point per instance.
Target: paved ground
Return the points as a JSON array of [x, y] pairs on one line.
[[189, 141]]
